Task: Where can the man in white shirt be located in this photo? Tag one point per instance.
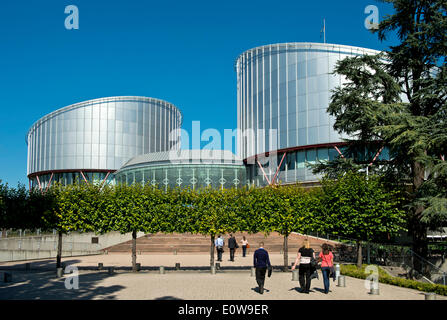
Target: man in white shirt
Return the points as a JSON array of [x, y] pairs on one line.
[[219, 243]]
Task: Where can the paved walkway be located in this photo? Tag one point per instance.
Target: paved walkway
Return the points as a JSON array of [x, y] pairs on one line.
[[149, 260], [235, 285], [232, 285]]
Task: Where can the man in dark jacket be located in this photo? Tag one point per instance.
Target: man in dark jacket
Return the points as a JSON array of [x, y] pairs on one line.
[[261, 262], [232, 245]]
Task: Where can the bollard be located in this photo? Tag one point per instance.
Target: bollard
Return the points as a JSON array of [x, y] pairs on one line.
[[337, 271], [341, 281], [253, 272], [430, 296], [59, 272], [374, 288], [213, 270], [27, 266], [162, 270], [217, 266], [374, 291], [111, 270], [177, 266], [7, 277], [100, 266], [295, 275]]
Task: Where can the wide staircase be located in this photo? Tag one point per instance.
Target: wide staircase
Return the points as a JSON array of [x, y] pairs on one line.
[[187, 243]]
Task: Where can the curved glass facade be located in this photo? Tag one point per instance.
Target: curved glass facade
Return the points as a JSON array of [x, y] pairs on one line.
[[91, 139], [283, 92], [190, 169]]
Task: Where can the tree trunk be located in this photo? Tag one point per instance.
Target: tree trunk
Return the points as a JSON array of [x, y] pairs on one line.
[[359, 254], [368, 253], [59, 250], [419, 229], [212, 251], [134, 251], [286, 253]]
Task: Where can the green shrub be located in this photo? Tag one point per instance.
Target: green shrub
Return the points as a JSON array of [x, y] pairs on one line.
[[353, 271]]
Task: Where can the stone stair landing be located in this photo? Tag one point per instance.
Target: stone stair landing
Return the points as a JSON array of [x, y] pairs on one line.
[[187, 243]]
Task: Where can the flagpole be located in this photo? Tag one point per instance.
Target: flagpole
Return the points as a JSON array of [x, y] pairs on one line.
[[324, 29]]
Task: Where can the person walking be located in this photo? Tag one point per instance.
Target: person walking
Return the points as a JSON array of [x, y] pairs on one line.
[[261, 262], [327, 263], [232, 245], [219, 243], [244, 243], [303, 259]]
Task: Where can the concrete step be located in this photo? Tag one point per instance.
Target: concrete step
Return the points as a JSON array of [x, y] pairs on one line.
[[191, 243]]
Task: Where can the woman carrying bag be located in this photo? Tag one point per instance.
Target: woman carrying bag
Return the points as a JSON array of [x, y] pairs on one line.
[[303, 259], [327, 265]]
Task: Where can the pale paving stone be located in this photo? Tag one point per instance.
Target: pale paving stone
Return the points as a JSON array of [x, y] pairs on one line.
[[231, 285]]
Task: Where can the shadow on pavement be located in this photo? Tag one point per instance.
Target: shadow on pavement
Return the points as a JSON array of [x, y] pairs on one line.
[[45, 286], [319, 290], [43, 265], [257, 290], [167, 298]]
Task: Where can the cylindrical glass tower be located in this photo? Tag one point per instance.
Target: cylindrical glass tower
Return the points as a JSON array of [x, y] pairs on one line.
[[90, 140], [283, 92]]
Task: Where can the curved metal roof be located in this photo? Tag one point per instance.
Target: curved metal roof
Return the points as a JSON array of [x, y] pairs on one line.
[[311, 45], [203, 156]]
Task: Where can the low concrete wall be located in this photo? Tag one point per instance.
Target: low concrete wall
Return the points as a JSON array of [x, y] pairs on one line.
[[18, 255], [73, 244]]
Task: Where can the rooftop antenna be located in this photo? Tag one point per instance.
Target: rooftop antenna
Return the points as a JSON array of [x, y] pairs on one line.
[[323, 31]]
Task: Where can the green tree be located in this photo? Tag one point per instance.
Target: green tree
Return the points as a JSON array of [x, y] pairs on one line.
[[53, 219], [398, 99], [360, 207], [213, 213], [419, 64], [288, 210], [68, 208], [130, 211]]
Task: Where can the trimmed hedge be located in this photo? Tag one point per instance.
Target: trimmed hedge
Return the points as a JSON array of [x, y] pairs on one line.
[[353, 271]]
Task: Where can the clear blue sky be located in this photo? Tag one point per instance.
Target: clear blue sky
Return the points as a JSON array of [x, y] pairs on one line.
[[179, 51]]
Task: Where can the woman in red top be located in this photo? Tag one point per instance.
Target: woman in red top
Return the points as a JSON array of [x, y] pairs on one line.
[[327, 261]]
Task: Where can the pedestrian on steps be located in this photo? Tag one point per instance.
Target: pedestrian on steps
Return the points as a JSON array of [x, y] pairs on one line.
[[245, 245], [232, 245], [219, 243]]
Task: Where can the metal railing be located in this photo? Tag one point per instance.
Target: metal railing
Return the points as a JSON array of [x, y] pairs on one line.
[[14, 233], [418, 267]]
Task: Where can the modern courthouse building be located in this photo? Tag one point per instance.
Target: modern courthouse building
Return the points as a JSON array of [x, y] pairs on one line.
[[89, 141], [283, 92]]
